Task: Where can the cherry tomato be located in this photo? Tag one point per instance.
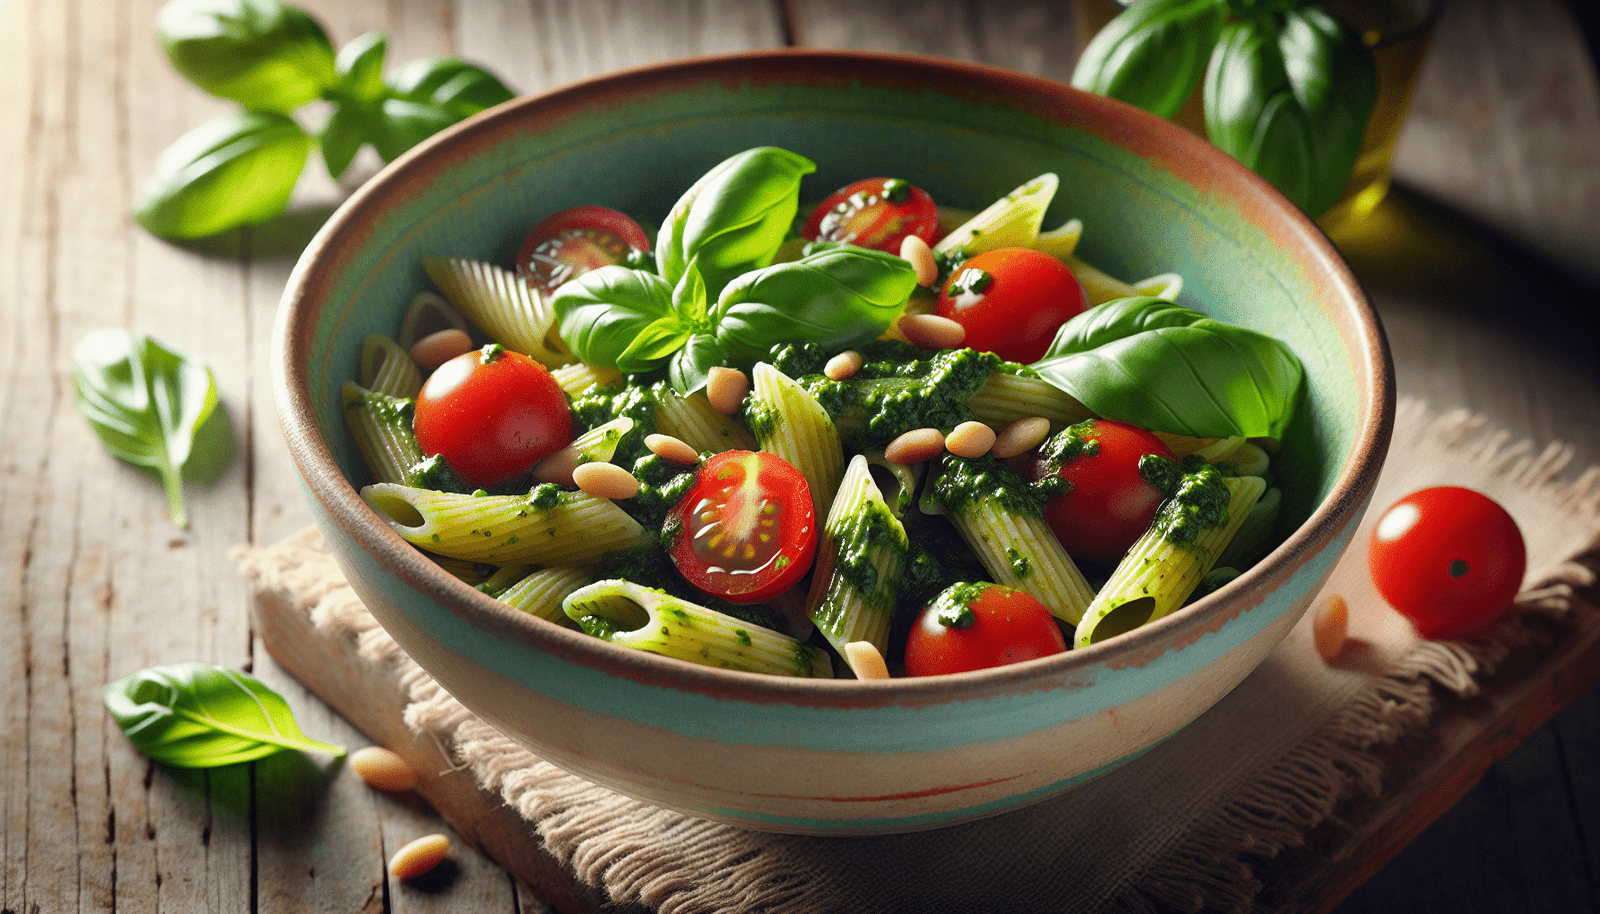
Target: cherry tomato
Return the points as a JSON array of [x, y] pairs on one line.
[[575, 241], [976, 626], [1449, 559], [492, 414], [1012, 301], [747, 531], [1109, 505], [874, 213]]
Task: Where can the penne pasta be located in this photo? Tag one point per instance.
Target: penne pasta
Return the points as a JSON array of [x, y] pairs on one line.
[[859, 557], [381, 425], [789, 422], [509, 310]]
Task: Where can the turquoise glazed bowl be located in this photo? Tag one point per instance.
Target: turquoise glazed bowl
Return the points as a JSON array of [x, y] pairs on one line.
[[842, 756]]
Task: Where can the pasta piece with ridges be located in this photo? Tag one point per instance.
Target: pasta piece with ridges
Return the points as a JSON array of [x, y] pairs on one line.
[[509, 310], [630, 615], [692, 420], [793, 425], [501, 529], [388, 369], [541, 593], [857, 604], [1157, 575], [1020, 552], [1005, 398], [382, 427]]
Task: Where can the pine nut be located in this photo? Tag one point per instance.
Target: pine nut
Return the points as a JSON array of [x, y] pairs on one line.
[[970, 439], [726, 388], [671, 449], [845, 365], [383, 769], [605, 480], [558, 467], [1330, 627], [865, 660], [1020, 437], [439, 347], [419, 856], [920, 256], [915, 446], [930, 331]]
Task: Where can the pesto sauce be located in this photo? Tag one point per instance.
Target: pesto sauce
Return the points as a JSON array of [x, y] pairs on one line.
[[662, 484], [633, 399], [1196, 497], [1021, 564], [964, 480], [953, 606]]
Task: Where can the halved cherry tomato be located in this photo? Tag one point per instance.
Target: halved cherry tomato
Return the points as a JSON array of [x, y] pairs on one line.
[[492, 414], [1449, 559], [1012, 301], [976, 626], [874, 213], [1110, 504], [575, 241], [747, 530]]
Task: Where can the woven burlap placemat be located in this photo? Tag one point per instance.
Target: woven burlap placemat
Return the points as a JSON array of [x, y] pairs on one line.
[[1186, 825]]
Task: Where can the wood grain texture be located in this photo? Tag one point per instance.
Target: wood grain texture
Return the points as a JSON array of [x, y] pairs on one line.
[[1487, 285]]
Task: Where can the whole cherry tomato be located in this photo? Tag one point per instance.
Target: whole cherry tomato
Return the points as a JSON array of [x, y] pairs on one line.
[[874, 213], [1449, 559], [1012, 301], [976, 626], [747, 531], [492, 414], [575, 241], [1110, 504]]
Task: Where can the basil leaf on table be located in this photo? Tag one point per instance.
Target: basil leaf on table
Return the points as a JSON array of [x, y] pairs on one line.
[[734, 218], [619, 318], [153, 408], [1153, 54], [360, 68], [264, 54], [235, 170], [194, 715], [839, 297], [1289, 96], [1158, 365]]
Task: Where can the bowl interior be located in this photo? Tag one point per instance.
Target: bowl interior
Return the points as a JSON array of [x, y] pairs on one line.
[[1153, 199]]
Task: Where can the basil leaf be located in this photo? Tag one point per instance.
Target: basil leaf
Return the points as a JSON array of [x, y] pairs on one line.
[[839, 297], [360, 68], [402, 124], [615, 317], [151, 407], [236, 170], [450, 83], [692, 364], [263, 54], [194, 715], [342, 136], [1289, 95], [1167, 368], [1153, 53], [734, 218]]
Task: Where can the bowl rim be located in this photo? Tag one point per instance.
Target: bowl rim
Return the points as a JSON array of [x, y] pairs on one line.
[[343, 505]]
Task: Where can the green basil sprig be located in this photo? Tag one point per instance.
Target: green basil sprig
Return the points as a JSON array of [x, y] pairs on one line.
[[153, 408], [272, 58], [194, 715], [1168, 368], [632, 320], [1287, 89]]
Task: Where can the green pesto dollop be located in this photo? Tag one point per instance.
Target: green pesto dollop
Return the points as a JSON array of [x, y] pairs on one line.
[[1196, 497], [633, 399], [544, 496], [384, 408], [435, 473], [1021, 564], [965, 480], [859, 535], [1068, 445], [953, 606], [662, 484]]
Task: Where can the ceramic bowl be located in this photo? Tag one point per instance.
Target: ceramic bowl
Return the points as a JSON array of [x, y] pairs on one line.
[[842, 756]]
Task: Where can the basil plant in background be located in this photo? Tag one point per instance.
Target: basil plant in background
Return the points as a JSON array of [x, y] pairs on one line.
[[1287, 87], [273, 59]]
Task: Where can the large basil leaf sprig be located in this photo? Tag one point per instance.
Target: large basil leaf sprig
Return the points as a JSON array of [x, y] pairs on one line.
[[632, 320], [1287, 89], [194, 715], [1168, 368], [153, 408], [272, 58]]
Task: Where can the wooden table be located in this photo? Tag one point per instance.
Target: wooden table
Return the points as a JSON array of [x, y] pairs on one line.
[[1489, 295]]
